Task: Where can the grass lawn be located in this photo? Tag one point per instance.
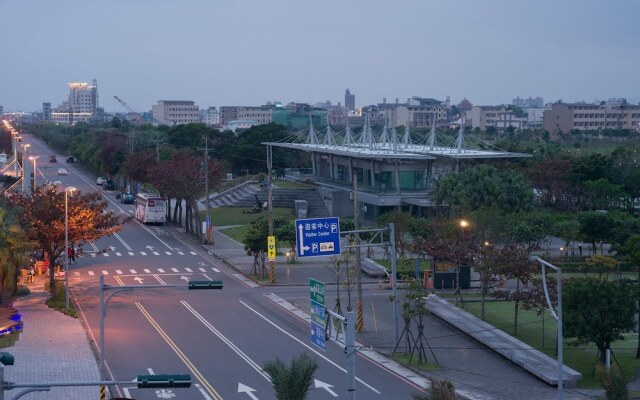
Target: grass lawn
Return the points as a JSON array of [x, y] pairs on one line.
[[291, 185], [225, 216], [530, 330]]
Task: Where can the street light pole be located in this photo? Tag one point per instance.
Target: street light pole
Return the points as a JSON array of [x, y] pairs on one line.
[[24, 153], [66, 244], [35, 175]]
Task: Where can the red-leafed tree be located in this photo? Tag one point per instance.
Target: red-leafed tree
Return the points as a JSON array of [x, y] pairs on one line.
[[43, 218]]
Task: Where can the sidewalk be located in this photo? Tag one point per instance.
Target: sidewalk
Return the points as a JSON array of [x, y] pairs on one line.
[[52, 347]]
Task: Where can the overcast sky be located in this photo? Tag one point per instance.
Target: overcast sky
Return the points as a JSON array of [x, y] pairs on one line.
[[249, 52]]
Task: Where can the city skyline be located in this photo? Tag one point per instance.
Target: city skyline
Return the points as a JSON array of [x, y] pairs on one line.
[[249, 52]]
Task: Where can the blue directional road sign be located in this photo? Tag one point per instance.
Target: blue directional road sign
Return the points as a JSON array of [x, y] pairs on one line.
[[318, 237]]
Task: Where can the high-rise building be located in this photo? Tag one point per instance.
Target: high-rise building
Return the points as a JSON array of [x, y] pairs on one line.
[[83, 97], [46, 111], [1, 110], [349, 101]]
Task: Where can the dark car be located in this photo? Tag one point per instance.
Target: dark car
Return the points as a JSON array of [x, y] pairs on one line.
[[109, 185], [53, 159], [127, 198], [71, 159]]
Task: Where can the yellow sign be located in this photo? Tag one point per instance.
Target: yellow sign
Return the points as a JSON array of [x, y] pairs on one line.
[[271, 247]]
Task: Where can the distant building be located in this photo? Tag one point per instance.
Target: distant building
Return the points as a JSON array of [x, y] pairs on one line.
[[259, 114], [564, 117], [210, 117], [528, 102], [499, 117], [417, 112], [175, 112], [349, 101], [1, 110], [239, 124], [46, 111], [297, 115], [81, 104]]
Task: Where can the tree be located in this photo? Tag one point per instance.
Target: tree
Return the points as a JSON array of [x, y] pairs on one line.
[[631, 252], [13, 245], [599, 312], [401, 221], [293, 382], [43, 218], [255, 240]]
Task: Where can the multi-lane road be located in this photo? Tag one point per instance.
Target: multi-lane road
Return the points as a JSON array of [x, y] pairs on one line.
[[222, 338]]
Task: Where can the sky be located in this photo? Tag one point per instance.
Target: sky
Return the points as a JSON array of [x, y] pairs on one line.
[[250, 52]]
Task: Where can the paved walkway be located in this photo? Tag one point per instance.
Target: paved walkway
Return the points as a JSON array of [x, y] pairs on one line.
[[52, 347]]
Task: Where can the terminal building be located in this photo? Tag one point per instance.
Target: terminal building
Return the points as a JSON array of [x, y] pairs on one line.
[[393, 169]]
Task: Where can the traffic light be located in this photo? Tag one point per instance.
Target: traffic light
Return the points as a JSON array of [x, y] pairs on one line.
[[164, 381], [205, 285], [6, 358]]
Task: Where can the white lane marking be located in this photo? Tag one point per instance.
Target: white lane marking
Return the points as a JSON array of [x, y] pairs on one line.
[[153, 234], [143, 253], [306, 345], [133, 271], [228, 342], [119, 272], [160, 270], [175, 269], [204, 394], [156, 253], [126, 246], [146, 271], [159, 279], [131, 253], [91, 273]]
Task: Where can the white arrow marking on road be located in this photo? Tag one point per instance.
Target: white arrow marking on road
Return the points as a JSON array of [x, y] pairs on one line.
[[184, 278], [325, 386], [138, 279], [112, 248], [301, 241], [242, 388]]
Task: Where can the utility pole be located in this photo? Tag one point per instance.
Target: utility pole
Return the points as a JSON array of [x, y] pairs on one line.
[[356, 222], [158, 141], [272, 263]]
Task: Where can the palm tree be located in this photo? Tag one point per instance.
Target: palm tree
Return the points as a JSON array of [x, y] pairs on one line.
[[13, 245], [293, 382]]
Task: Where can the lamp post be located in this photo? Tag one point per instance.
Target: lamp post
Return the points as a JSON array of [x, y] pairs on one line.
[[15, 152], [35, 185], [66, 244]]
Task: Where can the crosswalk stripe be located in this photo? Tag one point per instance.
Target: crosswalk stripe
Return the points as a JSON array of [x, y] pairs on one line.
[[156, 253], [181, 253], [143, 253], [215, 269], [188, 269], [202, 270], [133, 271], [91, 273], [119, 272], [119, 254], [193, 253], [146, 271], [106, 254], [93, 254], [131, 253], [105, 272], [175, 269], [76, 273], [160, 270], [167, 253]]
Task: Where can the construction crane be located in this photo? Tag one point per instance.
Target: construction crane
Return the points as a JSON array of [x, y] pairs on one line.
[[139, 119]]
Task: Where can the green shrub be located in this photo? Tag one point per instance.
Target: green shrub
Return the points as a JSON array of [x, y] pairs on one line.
[[59, 299], [22, 291]]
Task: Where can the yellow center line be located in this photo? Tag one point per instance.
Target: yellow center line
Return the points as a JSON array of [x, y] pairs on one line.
[[179, 353]]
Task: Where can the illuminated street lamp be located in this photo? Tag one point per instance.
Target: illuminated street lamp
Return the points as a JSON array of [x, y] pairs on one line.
[[66, 244], [35, 175]]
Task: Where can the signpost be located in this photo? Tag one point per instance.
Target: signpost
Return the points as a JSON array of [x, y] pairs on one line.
[[271, 247], [318, 237], [318, 335]]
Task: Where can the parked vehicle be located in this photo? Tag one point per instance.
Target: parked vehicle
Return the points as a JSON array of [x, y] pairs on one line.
[[101, 180], [53, 159], [150, 208], [109, 185], [71, 159]]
